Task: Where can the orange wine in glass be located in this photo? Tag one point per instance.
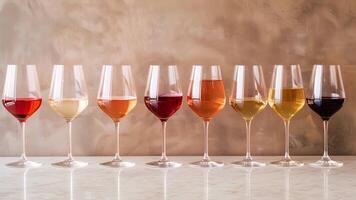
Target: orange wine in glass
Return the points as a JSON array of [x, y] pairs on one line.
[[116, 98], [206, 97]]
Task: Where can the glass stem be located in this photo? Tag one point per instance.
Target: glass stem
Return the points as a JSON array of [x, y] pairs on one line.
[[248, 140], [286, 139], [164, 142], [23, 130], [70, 156], [117, 129], [206, 140], [326, 129]]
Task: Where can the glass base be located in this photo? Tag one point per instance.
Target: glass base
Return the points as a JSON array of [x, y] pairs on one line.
[[207, 163], [24, 163], [326, 162], [164, 164], [287, 162], [70, 163], [118, 163], [248, 162]]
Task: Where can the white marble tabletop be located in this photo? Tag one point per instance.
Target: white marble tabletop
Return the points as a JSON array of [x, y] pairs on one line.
[[141, 182]]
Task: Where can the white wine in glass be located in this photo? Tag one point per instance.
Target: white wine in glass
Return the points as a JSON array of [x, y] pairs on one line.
[[248, 97], [286, 98], [68, 108], [68, 98]]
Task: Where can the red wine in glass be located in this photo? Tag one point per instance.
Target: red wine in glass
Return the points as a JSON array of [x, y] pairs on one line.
[[325, 107], [163, 97], [22, 97], [22, 108], [164, 106]]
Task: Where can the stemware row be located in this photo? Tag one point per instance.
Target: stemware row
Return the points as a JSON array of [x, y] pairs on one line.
[[68, 97]]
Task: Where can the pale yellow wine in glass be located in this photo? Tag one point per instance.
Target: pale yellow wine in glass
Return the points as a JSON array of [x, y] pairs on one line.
[[286, 97], [248, 97], [68, 98], [68, 108]]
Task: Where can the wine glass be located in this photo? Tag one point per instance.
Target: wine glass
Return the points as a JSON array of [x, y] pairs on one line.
[[206, 97], [286, 98], [326, 96], [22, 98], [68, 98], [163, 97], [248, 97], [116, 98]]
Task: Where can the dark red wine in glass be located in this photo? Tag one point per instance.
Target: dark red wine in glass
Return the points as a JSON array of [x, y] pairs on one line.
[[163, 97], [325, 107], [22, 108], [326, 96], [164, 106]]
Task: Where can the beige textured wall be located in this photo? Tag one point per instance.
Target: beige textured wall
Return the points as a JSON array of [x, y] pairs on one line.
[[182, 32]]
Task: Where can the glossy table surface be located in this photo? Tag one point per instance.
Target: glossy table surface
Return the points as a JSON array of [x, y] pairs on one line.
[[141, 182]]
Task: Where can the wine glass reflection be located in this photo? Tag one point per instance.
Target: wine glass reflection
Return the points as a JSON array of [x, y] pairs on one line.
[[286, 183], [326, 183], [71, 183], [25, 183], [248, 173]]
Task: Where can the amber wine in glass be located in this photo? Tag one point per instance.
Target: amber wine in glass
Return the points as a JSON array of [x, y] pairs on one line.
[[291, 101], [206, 97], [248, 97], [116, 98], [68, 98], [248, 108], [286, 98]]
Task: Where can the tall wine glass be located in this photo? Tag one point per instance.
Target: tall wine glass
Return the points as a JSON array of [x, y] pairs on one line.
[[22, 98], [163, 97], [206, 97], [116, 98], [68, 98], [248, 97], [286, 98], [326, 96]]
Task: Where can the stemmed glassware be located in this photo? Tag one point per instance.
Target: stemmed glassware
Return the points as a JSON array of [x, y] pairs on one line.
[[116, 98], [206, 97], [326, 96], [68, 98], [163, 97], [286, 98], [248, 97], [22, 98]]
